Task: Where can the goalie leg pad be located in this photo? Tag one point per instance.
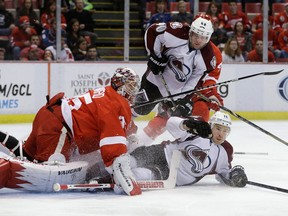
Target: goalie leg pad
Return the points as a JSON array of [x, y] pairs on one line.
[[4, 172], [123, 175]]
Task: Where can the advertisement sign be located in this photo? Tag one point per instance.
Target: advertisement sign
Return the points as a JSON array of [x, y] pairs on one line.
[[23, 87]]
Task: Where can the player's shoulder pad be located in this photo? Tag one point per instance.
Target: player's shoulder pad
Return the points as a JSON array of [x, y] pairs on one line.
[[229, 149]]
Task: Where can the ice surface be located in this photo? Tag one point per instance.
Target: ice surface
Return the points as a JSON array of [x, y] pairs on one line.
[[207, 197]]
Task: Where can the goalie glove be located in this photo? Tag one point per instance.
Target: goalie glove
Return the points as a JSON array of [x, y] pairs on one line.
[[238, 177], [197, 126], [156, 64]]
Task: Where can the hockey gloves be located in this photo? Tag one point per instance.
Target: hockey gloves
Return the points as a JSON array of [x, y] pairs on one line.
[[214, 99], [183, 108], [238, 177], [198, 127], [156, 64]]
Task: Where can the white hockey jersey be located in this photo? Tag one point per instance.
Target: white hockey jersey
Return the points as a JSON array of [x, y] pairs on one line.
[[200, 156], [186, 67]]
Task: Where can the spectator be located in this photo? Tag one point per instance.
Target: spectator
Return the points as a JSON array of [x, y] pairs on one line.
[[34, 54], [2, 54], [161, 15], [66, 54], [49, 35], [87, 5], [74, 34], [234, 15], [6, 20], [26, 9], [35, 42], [92, 54], [257, 21], [182, 15], [43, 4], [283, 43], [85, 19], [50, 14], [232, 52], [81, 49], [243, 37], [256, 55], [218, 37], [48, 55], [214, 11], [21, 36], [273, 44], [281, 20]]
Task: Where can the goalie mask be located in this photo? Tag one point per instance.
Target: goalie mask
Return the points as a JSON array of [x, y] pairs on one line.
[[126, 82]]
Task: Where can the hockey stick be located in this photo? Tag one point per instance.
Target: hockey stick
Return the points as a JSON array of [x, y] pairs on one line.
[[167, 89], [251, 153], [267, 186], [204, 88], [247, 121], [147, 185]]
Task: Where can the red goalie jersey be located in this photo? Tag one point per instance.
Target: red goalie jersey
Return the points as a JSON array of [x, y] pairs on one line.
[[95, 120]]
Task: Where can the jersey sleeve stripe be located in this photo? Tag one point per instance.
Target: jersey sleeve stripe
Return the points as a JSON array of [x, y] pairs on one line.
[[113, 140]]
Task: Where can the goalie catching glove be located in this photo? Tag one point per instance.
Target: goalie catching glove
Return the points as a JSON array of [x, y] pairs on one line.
[[238, 177], [156, 64], [196, 125]]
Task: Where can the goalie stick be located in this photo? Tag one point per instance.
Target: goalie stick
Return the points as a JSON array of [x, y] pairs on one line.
[[204, 88], [169, 183], [247, 121]]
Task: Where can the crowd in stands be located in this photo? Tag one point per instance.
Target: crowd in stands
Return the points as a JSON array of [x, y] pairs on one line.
[[239, 37], [30, 34], [31, 31]]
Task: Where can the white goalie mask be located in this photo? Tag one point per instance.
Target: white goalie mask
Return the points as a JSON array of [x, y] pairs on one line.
[[126, 82], [202, 25], [220, 118]]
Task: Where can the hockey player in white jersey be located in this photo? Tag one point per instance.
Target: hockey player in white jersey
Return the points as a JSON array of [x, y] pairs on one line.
[[200, 156]]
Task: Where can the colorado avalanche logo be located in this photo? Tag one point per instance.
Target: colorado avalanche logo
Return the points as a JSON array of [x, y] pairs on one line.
[[103, 79], [178, 68], [283, 88], [196, 157]]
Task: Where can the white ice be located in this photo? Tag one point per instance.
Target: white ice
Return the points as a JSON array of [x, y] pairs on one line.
[[207, 197]]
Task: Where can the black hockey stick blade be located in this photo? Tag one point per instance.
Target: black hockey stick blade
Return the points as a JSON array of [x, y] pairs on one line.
[[267, 186], [192, 91]]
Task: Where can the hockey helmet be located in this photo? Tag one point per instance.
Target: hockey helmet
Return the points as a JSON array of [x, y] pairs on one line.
[[220, 118], [126, 82], [202, 25]]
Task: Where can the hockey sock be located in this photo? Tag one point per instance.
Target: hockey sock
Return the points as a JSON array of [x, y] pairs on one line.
[[156, 126]]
